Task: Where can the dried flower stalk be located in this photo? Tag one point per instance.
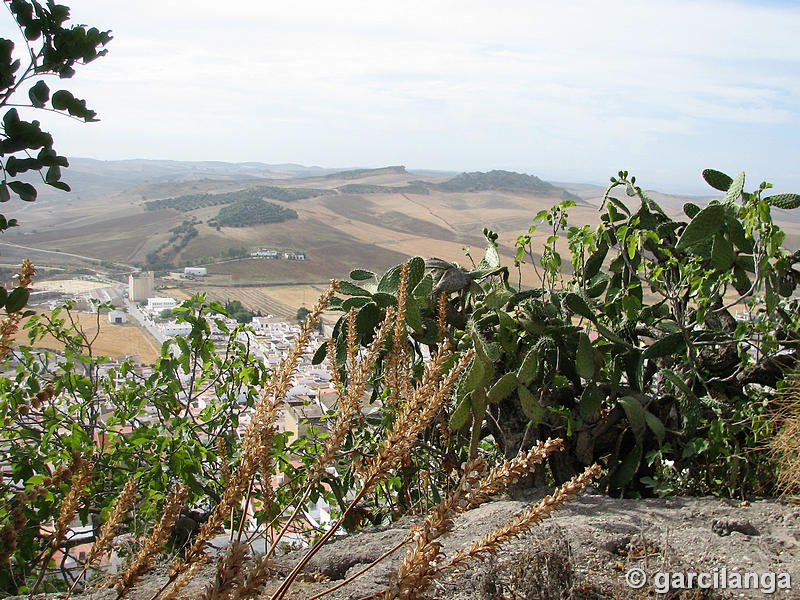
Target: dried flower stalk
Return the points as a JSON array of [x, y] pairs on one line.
[[229, 574], [70, 504], [441, 316], [102, 544], [522, 522], [419, 563], [417, 412], [10, 325], [154, 542]]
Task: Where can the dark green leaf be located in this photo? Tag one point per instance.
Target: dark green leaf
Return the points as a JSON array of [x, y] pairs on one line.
[[384, 300], [529, 369], [626, 470], [474, 375], [578, 305], [361, 274], [25, 191], [503, 388], [785, 201], [390, 282], [717, 180], [591, 400], [635, 413], [413, 316], [53, 174], [584, 360], [355, 302], [738, 236], [595, 261], [17, 300], [704, 225], [424, 288], [62, 99], [350, 289], [722, 253], [690, 209], [320, 354], [460, 415], [735, 191], [367, 319], [39, 94], [666, 346], [655, 425], [530, 406]]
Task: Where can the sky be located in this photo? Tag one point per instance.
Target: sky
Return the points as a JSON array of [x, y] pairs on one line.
[[568, 91]]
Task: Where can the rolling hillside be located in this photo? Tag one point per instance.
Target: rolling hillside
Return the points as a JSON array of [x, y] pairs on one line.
[[372, 218]]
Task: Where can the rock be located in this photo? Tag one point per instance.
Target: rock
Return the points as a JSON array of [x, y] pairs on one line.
[[726, 526]]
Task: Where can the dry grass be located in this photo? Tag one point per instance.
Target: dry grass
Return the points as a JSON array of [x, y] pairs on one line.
[[114, 341], [786, 442]]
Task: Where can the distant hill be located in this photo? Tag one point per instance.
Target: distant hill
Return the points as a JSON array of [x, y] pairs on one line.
[[359, 173], [507, 181], [90, 178], [172, 214]]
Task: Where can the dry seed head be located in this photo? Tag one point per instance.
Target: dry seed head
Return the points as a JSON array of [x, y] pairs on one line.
[[233, 493], [522, 522], [272, 396], [18, 518], [180, 582], [441, 315], [785, 444], [69, 506], [8, 543], [333, 367], [154, 541], [402, 299], [122, 505], [229, 574], [422, 555], [508, 473], [352, 344], [222, 458], [255, 579], [26, 273], [417, 412]]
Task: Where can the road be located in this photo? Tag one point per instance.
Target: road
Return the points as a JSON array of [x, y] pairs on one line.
[[82, 257], [134, 311]]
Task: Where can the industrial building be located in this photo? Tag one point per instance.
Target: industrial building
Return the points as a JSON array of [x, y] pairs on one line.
[[141, 286]]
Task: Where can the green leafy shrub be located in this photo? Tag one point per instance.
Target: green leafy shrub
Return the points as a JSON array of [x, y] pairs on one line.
[[58, 406], [633, 354]]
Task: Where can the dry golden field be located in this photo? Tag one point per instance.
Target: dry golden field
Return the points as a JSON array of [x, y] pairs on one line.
[[114, 341], [260, 298]]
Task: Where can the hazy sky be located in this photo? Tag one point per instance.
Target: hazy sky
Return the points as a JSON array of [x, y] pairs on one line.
[[564, 90]]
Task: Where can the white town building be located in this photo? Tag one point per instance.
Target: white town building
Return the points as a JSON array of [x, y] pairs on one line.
[[156, 305]]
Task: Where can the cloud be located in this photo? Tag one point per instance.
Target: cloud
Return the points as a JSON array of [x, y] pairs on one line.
[[456, 85]]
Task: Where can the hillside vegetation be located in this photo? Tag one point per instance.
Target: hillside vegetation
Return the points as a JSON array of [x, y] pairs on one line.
[[503, 181], [246, 213], [190, 202]]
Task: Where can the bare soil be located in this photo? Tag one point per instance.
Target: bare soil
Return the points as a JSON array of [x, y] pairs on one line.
[[583, 552]]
